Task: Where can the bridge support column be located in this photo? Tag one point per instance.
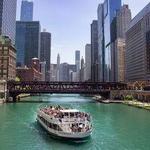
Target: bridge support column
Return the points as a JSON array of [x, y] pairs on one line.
[[14, 98]]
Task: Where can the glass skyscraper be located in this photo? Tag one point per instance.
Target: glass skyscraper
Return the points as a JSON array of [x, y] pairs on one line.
[[26, 11], [8, 18], [27, 42], [110, 8], [94, 51], [101, 52], [45, 51], [77, 60]]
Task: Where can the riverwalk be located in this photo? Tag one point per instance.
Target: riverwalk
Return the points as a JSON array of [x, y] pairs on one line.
[[133, 103], [138, 104]]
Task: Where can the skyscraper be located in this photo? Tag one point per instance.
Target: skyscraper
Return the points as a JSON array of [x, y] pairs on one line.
[[53, 72], [87, 74], [94, 51], [138, 47], [26, 11], [58, 66], [45, 51], [27, 42], [77, 60], [43, 70], [8, 18], [101, 52], [82, 70], [64, 72], [123, 18], [110, 8]]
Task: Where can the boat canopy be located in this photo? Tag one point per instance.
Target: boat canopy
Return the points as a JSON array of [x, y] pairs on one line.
[[69, 110]]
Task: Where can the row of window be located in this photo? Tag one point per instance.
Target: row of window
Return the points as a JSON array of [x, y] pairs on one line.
[[148, 50], [50, 125], [3, 52]]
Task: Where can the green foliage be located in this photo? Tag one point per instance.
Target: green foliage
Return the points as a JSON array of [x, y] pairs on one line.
[[17, 79], [129, 98]]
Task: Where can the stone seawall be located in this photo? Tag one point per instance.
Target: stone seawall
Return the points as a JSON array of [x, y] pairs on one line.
[[139, 95]]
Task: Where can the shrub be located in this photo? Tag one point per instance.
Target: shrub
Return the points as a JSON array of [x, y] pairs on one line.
[[129, 98]]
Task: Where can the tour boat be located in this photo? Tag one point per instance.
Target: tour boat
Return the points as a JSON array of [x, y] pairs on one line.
[[64, 122]]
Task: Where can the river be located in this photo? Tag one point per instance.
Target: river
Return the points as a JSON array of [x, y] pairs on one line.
[[115, 126]]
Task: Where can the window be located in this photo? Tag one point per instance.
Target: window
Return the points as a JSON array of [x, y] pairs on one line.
[[5, 52], [5, 71], [5, 48], [148, 50]]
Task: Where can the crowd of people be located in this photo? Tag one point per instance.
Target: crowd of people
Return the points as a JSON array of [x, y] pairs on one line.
[[56, 112], [77, 121], [80, 127]]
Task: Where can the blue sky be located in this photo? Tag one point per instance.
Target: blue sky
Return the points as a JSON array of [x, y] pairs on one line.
[[69, 23]]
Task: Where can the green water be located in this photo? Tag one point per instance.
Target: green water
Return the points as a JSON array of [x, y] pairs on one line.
[[115, 127]]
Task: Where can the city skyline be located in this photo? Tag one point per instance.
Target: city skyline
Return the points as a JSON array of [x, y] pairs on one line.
[[77, 34]]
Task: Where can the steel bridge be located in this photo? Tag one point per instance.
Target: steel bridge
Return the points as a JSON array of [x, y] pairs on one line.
[[33, 87]]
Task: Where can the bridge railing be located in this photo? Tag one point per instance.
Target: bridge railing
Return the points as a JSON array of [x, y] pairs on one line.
[[35, 86]]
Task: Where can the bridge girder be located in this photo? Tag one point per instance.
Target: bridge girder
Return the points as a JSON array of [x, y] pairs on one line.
[[16, 88]]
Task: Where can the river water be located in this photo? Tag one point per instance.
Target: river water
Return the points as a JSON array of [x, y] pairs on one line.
[[115, 126]]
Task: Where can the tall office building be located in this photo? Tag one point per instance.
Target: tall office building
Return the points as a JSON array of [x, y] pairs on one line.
[[64, 72], [45, 51], [72, 70], [58, 66], [53, 72], [138, 47], [43, 70], [8, 18], [94, 51], [26, 11], [110, 8], [123, 19], [87, 73], [82, 70], [101, 52], [77, 60], [27, 42]]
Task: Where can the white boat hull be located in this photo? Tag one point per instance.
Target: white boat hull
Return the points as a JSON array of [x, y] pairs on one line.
[[65, 134]]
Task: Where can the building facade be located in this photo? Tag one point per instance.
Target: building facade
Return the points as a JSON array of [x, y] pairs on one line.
[[43, 70], [45, 51], [64, 72], [110, 7], [82, 70], [77, 60], [94, 51], [7, 59], [138, 47], [87, 72], [118, 44], [119, 65], [26, 11], [101, 52], [58, 66], [27, 42], [30, 74], [72, 70], [123, 20], [8, 18], [53, 72]]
